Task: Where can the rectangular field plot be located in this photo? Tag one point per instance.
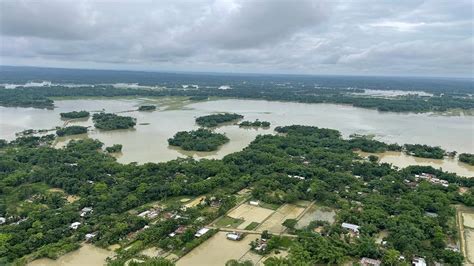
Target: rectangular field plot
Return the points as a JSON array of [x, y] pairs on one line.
[[273, 223], [316, 213], [217, 250], [468, 219], [249, 214]]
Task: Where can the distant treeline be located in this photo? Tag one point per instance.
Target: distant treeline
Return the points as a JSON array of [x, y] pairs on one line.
[[39, 97]]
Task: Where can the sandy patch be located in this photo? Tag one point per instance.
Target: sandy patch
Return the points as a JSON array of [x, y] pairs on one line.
[[273, 224], [195, 202], [249, 214], [217, 251], [152, 252], [468, 219]]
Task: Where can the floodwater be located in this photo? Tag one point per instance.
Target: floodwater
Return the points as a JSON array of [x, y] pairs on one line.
[[249, 214], [86, 255], [217, 250], [316, 213], [148, 142], [401, 160], [274, 223]]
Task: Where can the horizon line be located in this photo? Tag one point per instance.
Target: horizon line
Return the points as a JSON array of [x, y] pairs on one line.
[[471, 78]]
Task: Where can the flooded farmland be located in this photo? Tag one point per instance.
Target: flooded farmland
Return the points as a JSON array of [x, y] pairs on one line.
[[316, 213], [217, 250], [86, 255], [274, 223], [249, 214]]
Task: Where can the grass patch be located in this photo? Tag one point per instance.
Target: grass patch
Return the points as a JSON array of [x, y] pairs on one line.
[[226, 221], [252, 226]]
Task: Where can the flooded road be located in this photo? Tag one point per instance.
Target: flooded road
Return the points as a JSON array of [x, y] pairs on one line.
[[148, 141]]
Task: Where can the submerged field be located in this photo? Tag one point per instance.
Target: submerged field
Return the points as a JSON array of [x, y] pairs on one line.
[[217, 251]]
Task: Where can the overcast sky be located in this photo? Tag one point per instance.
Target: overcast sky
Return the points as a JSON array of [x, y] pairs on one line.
[[360, 37]]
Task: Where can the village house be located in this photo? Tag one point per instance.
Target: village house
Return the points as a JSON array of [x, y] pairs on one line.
[[418, 261], [254, 202], [90, 236], [201, 232], [234, 236], [75, 225], [351, 227], [297, 177], [261, 245], [370, 262], [86, 210]]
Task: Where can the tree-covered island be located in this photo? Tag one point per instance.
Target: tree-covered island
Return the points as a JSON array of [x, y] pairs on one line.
[[114, 148], [74, 114], [71, 130], [256, 123], [198, 140], [425, 151], [215, 120], [109, 121], [467, 158], [147, 108]]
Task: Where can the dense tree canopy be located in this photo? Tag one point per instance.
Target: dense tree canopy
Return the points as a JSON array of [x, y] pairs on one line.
[[107, 121], [467, 158], [71, 130], [198, 140], [256, 123], [425, 151], [74, 114], [217, 119]]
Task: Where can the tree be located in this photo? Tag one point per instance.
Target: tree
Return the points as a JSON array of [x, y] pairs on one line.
[[290, 223], [391, 257]]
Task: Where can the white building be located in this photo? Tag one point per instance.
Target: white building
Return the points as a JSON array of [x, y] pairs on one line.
[[75, 225], [254, 202], [90, 236], [3, 220], [353, 227], [234, 236], [418, 261], [201, 232], [86, 210]]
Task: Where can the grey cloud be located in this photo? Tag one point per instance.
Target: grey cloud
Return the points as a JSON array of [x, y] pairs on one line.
[[302, 36]]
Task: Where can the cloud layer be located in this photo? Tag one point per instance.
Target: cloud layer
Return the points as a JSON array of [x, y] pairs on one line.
[[371, 37]]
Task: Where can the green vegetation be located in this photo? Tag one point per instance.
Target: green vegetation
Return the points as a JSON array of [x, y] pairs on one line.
[[75, 114], [251, 226], [227, 221], [217, 119], [374, 196], [107, 121], [147, 108], [71, 130], [467, 158], [256, 123], [198, 140], [425, 151], [114, 148]]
